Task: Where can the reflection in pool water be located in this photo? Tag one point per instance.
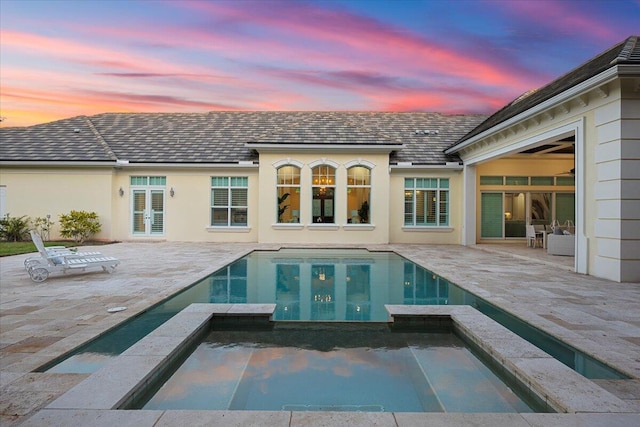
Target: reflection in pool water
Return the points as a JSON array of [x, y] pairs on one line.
[[335, 368], [320, 284], [327, 285]]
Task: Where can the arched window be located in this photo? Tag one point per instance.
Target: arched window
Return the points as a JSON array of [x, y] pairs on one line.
[[288, 206], [323, 186], [358, 195]]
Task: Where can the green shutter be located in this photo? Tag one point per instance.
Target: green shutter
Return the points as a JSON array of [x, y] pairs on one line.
[[491, 211]]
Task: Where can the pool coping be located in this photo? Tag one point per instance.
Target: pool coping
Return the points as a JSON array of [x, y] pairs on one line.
[[124, 378]]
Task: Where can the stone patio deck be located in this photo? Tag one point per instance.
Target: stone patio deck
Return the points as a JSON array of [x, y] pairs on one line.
[[39, 322]]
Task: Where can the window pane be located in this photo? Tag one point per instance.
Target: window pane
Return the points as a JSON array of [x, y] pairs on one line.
[[157, 180], [239, 197], [541, 180], [239, 181], [540, 208], [409, 183], [358, 175], [430, 200], [444, 183], [566, 180], [408, 207], [517, 180], [358, 207], [421, 208], [138, 180], [514, 215], [444, 208], [323, 175], [289, 175], [322, 205], [220, 216], [491, 180], [288, 204], [219, 181], [238, 216], [220, 197]]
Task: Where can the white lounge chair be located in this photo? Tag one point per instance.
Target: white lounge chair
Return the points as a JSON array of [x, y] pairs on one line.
[[57, 258], [53, 250]]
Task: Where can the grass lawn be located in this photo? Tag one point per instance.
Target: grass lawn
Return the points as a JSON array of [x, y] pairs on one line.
[[17, 248]]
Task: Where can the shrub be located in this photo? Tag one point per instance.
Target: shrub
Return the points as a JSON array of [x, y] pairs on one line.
[[42, 226], [14, 229], [79, 225]]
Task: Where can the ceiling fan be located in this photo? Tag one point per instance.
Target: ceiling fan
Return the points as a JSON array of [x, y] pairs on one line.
[[570, 172]]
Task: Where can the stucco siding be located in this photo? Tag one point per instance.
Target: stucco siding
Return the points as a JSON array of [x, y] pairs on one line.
[[340, 231], [48, 191], [451, 234]]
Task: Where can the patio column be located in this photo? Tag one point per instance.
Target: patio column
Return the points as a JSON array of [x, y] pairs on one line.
[[469, 212]]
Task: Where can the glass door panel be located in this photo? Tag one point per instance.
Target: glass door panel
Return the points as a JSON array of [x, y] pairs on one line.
[[139, 206], [514, 215], [540, 208], [147, 212], [157, 211]]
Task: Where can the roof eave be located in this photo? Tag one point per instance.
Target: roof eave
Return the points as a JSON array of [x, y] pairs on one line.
[[58, 163], [370, 148], [128, 165], [590, 84], [408, 166]]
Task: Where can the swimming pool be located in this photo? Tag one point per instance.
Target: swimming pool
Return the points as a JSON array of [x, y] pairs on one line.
[[336, 367], [319, 285]]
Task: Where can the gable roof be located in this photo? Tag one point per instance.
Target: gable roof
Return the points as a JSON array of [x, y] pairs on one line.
[[625, 52], [325, 129], [226, 137]]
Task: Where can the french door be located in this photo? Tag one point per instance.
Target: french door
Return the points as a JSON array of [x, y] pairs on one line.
[[147, 213]]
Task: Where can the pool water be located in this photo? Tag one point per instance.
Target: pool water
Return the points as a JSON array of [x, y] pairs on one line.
[[335, 368], [328, 285]]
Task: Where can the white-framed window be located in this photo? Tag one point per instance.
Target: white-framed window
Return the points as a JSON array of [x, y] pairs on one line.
[[323, 190], [426, 202], [229, 201], [358, 194], [288, 190]]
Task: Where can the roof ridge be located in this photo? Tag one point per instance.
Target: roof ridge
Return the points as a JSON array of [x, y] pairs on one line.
[[333, 115], [103, 143], [628, 51]]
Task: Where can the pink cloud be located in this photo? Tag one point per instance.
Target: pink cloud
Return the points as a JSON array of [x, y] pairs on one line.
[[561, 17], [360, 39]]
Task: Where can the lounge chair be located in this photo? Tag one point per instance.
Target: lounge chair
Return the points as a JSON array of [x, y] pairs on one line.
[[58, 258], [54, 251]]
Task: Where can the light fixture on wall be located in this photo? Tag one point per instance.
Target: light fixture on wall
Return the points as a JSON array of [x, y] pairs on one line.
[[121, 192], [171, 192]]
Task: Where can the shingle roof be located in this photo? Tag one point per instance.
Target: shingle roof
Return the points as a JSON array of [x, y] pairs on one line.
[[626, 52], [64, 140], [220, 137]]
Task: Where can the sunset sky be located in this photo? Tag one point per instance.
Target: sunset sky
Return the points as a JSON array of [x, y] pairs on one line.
[[62, 58]]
